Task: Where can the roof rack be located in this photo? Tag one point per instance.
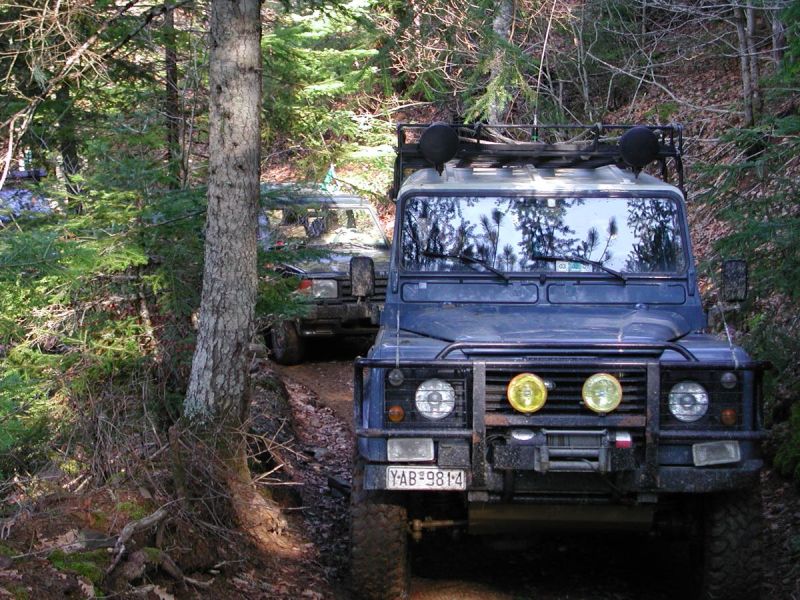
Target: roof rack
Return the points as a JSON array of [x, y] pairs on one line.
[[632, 147]]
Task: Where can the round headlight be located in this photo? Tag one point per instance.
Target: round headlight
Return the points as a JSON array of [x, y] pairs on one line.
[[435, 399], [527, 392], [602, 393], [688, 401], [324, 288]]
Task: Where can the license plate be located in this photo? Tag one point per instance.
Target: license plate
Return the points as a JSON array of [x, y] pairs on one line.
[[425, 478]]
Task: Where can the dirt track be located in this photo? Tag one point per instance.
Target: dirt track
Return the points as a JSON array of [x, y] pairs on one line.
[[550, 567]]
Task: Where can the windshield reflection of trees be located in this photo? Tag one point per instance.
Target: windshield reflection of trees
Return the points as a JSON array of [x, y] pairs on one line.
[[659, 246], [322, 226], [509, 233]]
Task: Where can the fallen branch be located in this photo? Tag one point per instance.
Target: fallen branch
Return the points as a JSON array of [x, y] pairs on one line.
[[132, 528], [197, 583]]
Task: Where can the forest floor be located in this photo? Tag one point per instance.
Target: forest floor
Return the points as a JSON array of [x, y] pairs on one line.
[[59, 547]]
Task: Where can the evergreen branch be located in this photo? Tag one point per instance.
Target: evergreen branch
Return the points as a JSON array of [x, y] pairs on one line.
[[151, 14]]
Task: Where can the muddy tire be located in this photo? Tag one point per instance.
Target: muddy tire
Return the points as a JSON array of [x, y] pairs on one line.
[[286, 343], [379, 562], [733, 528]]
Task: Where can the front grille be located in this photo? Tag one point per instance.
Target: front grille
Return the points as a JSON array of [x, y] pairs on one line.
[[378, 295], [565, 397]]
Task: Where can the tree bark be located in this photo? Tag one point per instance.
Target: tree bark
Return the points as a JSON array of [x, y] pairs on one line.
[[752, 58], [744, 66], [501, 26], [778, 38], [580, 57], [219, 376], [218, 395], [68, 142]]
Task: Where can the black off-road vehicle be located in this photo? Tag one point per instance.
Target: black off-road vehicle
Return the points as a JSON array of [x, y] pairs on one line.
[[543, 358]]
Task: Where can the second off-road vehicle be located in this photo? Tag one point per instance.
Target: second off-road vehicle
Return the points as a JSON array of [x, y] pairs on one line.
[[543, 359], [344, 237]]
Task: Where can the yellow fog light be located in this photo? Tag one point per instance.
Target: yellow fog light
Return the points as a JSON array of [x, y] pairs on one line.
[[527, 393], [602, 393]]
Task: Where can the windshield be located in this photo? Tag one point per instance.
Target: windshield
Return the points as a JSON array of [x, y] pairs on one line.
[[628, 235], [319, 226]]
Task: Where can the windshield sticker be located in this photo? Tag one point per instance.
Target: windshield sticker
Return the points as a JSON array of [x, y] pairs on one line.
[[563, 266]]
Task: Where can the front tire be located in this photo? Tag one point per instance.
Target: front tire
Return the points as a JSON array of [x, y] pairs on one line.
[[379, 562], [286, 343], [733, 529]]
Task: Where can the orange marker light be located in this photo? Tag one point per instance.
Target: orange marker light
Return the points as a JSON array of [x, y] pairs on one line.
[[396, 414], [728, 417]]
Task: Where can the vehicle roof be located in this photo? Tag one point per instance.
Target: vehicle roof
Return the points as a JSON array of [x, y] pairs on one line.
[[278, 195], [530, 179]]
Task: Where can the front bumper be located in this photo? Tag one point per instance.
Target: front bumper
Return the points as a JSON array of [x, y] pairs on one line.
[[501, 472], [341, 318], [575, 488]]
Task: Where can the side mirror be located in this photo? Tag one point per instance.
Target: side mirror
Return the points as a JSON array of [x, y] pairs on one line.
[[734, 280], [362, 276]]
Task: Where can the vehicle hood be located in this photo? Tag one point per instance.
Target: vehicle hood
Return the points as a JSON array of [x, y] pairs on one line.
[[338, 261], [532, 324]]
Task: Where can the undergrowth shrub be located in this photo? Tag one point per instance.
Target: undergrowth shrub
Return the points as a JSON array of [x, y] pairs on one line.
[[92, 305], [96, 325]]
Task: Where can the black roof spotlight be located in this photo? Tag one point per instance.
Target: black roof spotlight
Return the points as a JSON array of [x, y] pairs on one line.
[[639, 147], [438, 144]]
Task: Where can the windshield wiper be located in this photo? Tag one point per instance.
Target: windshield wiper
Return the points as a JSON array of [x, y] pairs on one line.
[[585, 261], [469, 260]]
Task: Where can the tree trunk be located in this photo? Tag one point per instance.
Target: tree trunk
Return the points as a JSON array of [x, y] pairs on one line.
[[219, 376], [778, 37], [218, 394], [171, 106], [501, 26], [67, 139], [744, 65], [580, 55], [752, 58]]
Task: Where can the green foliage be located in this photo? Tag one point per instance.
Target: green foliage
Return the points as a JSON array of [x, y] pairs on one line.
[[663, 112], [316, 67], [767, 226], [154, 555], [72, 288], [277, 300], [133, 510], [91, 565], [791, 60]]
